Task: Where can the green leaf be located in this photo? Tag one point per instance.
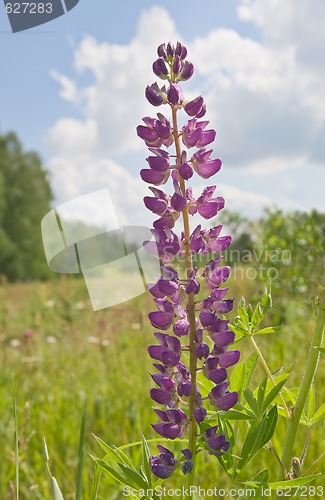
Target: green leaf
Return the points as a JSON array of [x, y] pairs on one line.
[[242, 313], [299, 481], [258, 435], [262, 477], [251, 364], [238, 378], [260, 395], [134, 476], [114, 453], [96, 482], [146, 461], [55, 487], [250, 313], [267, 330], [319, 415], [310, 403], [320, 349], [112, 472], [257, 316], [266, 301], [81, 454], [236, 415], [272, 395], [251, 401], [285, 485]]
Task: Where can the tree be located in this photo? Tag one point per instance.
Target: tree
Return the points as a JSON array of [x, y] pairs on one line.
[[25, 197]]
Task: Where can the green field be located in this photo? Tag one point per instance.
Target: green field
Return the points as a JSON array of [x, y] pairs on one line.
[[60, 355]]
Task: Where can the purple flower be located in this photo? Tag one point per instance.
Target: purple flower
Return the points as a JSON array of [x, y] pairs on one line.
[[217, 443], [203, 165], [155, 95], [215, 275], [163, 465], [187, 465], [175, 95], [166, 394], [156, 133], [187, 71], [193, 134], [183, 378], [172, 425], [169, 350], [194, 107], [221, 398]]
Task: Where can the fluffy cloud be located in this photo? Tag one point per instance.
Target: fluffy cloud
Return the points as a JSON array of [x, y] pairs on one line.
[[265, 97]]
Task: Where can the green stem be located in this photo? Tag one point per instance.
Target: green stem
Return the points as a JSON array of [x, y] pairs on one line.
[[311, 368], [190, 312], [269, 373]]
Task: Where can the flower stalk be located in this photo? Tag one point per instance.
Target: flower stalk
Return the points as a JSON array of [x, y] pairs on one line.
[[208, 336], [190, 309], [311, 368]]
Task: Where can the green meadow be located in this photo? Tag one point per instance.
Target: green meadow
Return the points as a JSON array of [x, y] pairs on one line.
[[60, 356]]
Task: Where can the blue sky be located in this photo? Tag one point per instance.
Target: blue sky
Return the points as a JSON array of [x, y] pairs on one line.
[[73, 90]]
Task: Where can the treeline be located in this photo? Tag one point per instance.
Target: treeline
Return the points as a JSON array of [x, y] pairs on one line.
[[25, 197], [284, 248]]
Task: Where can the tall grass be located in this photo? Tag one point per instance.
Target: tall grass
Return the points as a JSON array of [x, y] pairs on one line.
[[61, 354]]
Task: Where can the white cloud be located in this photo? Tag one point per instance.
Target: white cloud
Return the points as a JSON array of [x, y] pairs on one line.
[[68, 90], [264, 97]]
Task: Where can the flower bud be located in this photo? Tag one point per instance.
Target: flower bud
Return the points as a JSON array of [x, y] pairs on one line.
[[160, 69], [161, 51], [192, 108], [174, 94], [153, 95], [187, 71], [177, 66], [181, 50]]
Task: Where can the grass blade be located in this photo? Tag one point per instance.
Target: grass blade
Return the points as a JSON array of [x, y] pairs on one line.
[[55, 487], [16, 439], [81, 454]]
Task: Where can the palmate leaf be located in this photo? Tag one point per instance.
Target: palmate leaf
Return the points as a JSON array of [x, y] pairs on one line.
[[251, 400], [258, 435], [247, 321], [119, 477], [319, 415], [270, 397], [114, 453]]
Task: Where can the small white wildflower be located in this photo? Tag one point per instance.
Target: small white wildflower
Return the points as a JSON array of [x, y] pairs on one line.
[[93, 340], [14, 343], [51, 340]]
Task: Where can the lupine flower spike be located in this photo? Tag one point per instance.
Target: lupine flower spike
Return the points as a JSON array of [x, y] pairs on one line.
[[183, 322]]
